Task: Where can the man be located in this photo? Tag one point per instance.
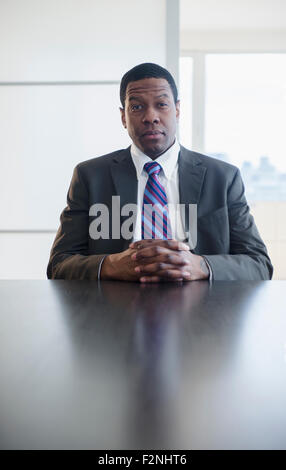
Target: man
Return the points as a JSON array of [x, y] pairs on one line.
[[155, 166]]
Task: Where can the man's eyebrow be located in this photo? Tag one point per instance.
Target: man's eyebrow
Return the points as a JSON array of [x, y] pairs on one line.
[[165, 95], [134, 98], [138, 98]]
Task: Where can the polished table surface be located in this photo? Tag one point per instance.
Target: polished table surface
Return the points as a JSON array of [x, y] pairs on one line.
[[121, 365]]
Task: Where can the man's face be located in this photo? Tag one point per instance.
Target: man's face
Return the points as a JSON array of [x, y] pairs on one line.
[[150, 115]]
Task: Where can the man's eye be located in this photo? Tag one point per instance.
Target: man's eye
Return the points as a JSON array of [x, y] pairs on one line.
[[162, 105], [136, 107]]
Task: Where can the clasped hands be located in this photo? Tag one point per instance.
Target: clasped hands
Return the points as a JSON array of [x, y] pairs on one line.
[[155, 261]]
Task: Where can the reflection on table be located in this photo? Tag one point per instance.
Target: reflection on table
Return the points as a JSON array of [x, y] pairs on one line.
[[132, 366]]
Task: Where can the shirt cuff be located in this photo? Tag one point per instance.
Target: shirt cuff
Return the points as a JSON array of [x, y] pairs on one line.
[[210, 269], [99, 268]]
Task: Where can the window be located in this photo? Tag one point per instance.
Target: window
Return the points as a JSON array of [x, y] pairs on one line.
[[185, 91], [243, 122]]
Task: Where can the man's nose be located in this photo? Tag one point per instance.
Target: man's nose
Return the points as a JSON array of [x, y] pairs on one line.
[[151, 116]]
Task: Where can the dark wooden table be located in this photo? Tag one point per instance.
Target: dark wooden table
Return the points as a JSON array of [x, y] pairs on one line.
[[127, 366]]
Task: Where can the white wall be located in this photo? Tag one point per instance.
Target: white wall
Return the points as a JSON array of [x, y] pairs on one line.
[[79, 39], [61, 63], [232, 15], [233, 41], [233, 25]]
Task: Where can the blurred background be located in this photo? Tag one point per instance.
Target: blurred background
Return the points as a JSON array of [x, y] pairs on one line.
[[60, 67]]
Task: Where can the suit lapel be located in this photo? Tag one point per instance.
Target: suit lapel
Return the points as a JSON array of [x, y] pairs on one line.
[[191, 176], [125, 181], [124, 177]]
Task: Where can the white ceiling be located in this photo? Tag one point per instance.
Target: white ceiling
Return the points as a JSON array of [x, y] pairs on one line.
[[223, 15]]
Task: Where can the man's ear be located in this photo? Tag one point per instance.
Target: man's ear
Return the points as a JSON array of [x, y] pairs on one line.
[[122, 111], [177, 109]]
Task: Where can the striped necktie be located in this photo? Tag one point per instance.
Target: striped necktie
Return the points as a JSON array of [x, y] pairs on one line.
[[155, 216]]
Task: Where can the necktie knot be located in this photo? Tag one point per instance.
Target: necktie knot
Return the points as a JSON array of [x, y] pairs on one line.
[[152, 168]]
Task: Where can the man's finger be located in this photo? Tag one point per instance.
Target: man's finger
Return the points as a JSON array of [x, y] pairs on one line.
[[173, 274], [152, 268], [171, 244], [150, 279], [173, 256], [164, 271], [149, 252], [167, 258]]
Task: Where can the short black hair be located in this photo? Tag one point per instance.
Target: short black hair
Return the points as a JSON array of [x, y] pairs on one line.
[[146, 70]]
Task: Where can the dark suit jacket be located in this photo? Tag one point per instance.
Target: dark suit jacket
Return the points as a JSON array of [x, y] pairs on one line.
[[226, 232]]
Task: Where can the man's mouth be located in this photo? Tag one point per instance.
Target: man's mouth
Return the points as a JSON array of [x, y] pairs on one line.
[[153, 134]]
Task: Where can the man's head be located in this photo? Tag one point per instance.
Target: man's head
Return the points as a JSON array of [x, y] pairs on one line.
[[150, 108]]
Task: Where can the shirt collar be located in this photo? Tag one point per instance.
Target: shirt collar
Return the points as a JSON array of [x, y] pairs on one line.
[[168, 160]]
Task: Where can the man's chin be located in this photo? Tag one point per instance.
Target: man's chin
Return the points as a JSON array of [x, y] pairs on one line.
[[154, 150]]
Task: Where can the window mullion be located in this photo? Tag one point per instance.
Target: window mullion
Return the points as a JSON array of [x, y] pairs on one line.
[[199, 98]]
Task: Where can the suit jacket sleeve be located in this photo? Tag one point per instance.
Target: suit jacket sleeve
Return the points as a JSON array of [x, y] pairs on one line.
[[69, 257], [247, 258]]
